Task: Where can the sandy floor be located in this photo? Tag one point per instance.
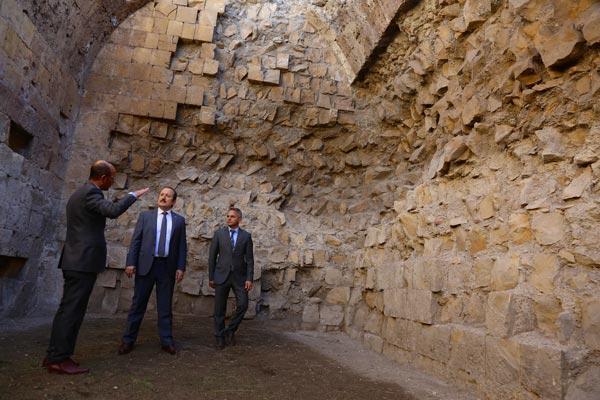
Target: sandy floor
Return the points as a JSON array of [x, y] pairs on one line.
[[268, 363]]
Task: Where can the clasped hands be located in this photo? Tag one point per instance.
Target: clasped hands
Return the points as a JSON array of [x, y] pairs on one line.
[[130, 272]]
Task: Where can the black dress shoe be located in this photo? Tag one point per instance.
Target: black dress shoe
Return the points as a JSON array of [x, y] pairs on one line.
[[220, 345], [169, 349], [230, 338], [125, 348]]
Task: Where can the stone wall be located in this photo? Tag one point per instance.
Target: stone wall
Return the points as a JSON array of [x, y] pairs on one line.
[[442, 209], [39, 99]]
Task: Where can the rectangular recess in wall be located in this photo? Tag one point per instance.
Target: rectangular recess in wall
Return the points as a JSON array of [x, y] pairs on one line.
[[11, 266], [19, 140]]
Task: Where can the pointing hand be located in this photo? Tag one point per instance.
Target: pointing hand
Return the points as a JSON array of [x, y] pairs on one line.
[[141, 192]]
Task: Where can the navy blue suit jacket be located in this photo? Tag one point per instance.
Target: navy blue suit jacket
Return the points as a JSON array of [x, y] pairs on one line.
[[141, 250]]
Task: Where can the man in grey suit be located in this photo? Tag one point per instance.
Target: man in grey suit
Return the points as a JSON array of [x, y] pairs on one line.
[[230, 266], [157, 255], [83, 257]]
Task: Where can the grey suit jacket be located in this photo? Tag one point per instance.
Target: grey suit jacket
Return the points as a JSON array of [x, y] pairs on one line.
[[143, 241], [85, 245], [223, 259]]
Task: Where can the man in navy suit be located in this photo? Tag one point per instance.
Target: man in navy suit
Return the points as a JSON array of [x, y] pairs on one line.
[[230, 266], [157, 255]]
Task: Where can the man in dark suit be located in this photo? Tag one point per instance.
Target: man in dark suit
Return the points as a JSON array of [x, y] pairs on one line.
[[83, 257], [230, 266], [157, 255]]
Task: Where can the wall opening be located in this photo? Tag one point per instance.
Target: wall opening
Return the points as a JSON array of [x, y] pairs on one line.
[[10, 267], [19, 140]]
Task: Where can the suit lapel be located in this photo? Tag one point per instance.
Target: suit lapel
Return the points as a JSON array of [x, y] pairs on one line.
[[153, 225]]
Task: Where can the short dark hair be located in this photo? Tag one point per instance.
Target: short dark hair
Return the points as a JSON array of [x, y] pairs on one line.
[[100, 168], [237, 211], [174, 192]]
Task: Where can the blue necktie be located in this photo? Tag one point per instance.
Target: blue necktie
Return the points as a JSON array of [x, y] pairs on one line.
[[162, 241], [232, 238]]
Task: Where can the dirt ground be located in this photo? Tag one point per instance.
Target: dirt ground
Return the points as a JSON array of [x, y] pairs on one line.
[[269, 362]]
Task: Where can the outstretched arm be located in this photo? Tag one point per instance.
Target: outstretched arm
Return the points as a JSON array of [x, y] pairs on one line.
[[95, 201]]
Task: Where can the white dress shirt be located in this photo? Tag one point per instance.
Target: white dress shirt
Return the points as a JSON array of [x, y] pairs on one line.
[[159, 217]]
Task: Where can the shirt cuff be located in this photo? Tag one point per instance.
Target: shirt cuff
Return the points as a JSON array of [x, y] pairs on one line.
[[133, 194]]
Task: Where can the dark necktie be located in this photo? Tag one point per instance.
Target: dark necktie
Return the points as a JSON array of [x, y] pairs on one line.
[[163, 235], [232, 241]]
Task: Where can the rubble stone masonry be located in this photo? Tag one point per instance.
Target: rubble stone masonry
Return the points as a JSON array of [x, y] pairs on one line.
[[422, 175]]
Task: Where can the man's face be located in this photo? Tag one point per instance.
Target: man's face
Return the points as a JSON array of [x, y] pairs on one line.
[[165, 199], [233, 220], [106, 181]]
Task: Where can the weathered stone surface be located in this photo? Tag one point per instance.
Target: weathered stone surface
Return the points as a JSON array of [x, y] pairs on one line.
[[591, 323], [560, 48], [578, 185], [331, 315], [545, 268], [548, 228]]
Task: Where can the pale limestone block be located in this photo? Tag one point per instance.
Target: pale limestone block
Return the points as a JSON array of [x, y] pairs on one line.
[[338, 295], [505, 274], [548, 228], [186, 14], [310, 313], [196, 66], [333, 276], [108, 278], [395, 301], [188, 31], [545, 268], [204, 33], [373, 342], [211, 67], [332, 315], [542, 366], [272, 76], [502, 360], [175, 28], [434, 342], [468, 351], [192, 283], [374, 322], [591, 323], [578, 185], [283, 61], [194, 96]]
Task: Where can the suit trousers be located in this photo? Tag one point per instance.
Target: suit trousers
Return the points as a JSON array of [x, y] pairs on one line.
[[221, 295], [77, 289], [160, 275]]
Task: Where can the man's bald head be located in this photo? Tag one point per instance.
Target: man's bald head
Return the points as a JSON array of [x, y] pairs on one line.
[[101, 168]]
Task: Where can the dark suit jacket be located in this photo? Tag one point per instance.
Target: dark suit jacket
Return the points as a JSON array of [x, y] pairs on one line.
[[141, 250], [85, 245], [222, 259]]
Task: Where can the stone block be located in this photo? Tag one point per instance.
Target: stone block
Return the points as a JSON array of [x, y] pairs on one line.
[[505, 273], [310, 313], [142, 56], [423, 306], [434, 342], [338, 295], [187, 14], [255, 74], [374, 322], [548, 228], [211, 67], [216, 5], [373, 342], [161, 58], [591, 323], [165, 8], [159, 129], [207, 115], [508, 313], [283, 61], [108, 278], [207, 51], [170, 110], [542, 366], [188, 31], [138, 162], [333, 276], [292, 95], [545, 268], [395, 303], [192, 283], [196, 66], [194, 96], [174, 28], [468, 351], [208, 17], [331, 315], [204, 33]]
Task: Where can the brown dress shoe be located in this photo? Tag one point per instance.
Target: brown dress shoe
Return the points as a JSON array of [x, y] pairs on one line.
[[169, 349], [125, 348], [66, 367], [45, 362]]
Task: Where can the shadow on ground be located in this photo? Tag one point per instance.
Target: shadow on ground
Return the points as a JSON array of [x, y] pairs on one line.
[[265, 364]]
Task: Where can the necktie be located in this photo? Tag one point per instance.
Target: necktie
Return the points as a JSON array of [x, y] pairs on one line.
[[163, 235], [232, 238]]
